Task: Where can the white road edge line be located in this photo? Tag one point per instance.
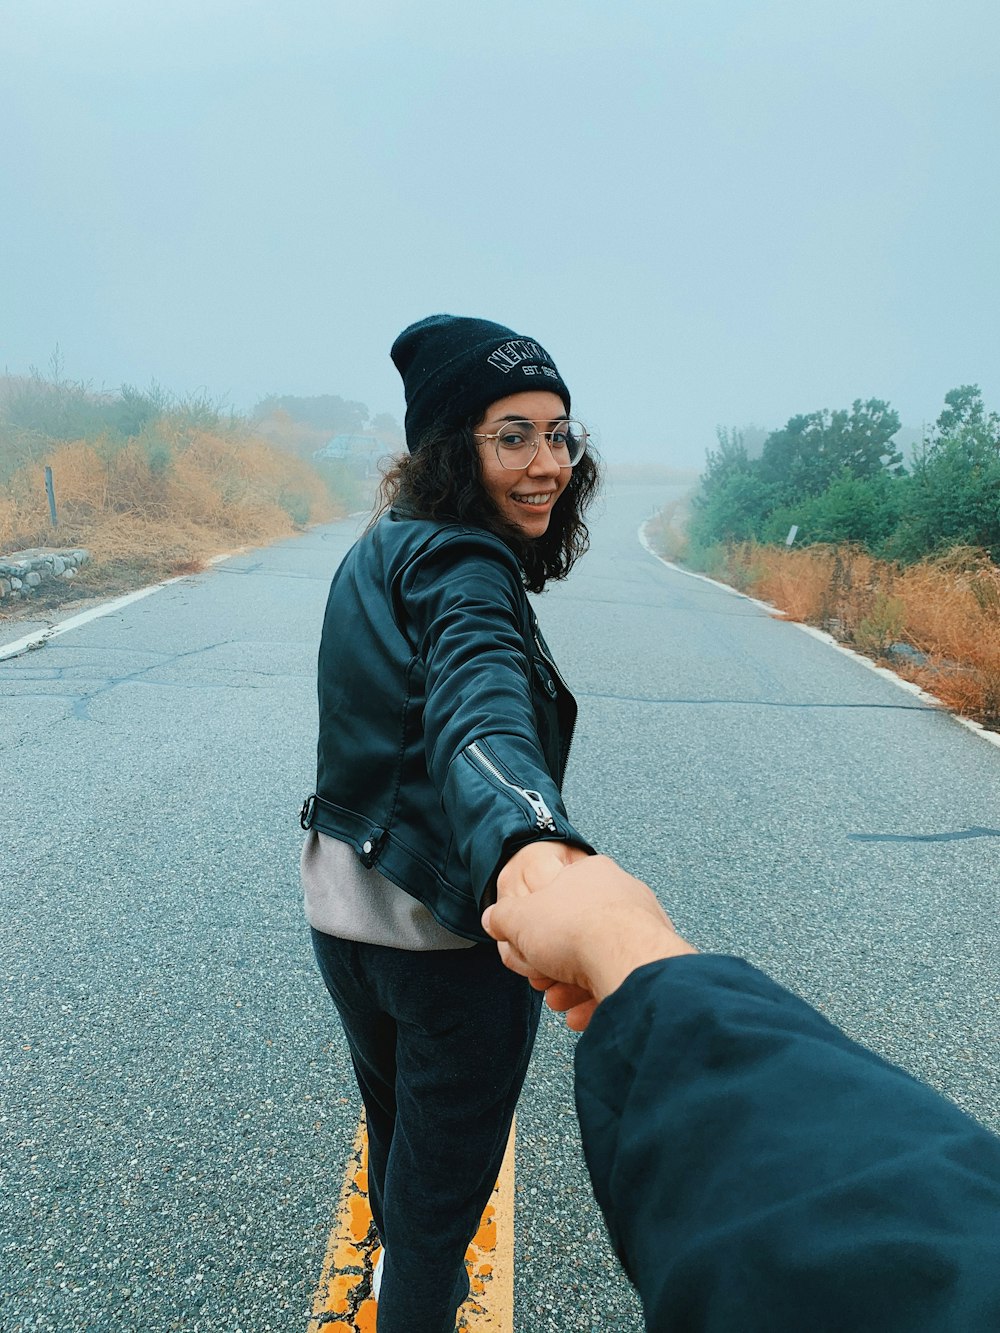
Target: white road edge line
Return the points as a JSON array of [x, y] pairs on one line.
[[41, 637], [975, 727]]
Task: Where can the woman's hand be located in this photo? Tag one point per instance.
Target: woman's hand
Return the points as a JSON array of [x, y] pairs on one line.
[[529, 870], [534, 866]]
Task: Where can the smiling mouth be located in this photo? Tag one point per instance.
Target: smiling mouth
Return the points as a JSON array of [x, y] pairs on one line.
[[533, 501]]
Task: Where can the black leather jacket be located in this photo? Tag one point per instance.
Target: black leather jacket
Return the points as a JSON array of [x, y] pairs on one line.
[[444, 726]]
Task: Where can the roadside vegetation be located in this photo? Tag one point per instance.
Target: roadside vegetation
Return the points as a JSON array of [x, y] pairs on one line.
[[897, 558], [152, 486]]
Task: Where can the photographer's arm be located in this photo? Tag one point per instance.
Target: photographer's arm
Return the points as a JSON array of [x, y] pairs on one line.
[[756, 1168]]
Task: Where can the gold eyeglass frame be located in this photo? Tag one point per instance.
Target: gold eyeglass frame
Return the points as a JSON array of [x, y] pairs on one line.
[[540, 435]]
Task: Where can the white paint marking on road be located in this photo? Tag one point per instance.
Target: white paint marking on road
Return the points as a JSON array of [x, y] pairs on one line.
[[40, 638], [970, 725]]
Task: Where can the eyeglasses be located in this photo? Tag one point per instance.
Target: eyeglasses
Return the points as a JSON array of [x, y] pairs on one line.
[[517, 442]]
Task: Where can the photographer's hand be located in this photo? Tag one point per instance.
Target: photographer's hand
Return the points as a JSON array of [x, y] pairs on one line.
[[578, 935]]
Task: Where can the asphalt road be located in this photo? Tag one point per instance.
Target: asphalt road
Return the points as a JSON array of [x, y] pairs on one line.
[[176, 1104]]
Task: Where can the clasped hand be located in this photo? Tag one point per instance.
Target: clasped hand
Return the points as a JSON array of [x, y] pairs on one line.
[[576, 926]]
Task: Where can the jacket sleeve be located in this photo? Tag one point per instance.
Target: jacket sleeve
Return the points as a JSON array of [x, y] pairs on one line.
[[760, 1171], [459, 603]]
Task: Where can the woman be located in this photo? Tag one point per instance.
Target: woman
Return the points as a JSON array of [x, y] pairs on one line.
[[444, 732]]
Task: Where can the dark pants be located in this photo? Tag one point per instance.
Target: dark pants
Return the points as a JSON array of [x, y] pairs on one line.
[[440, 1043]]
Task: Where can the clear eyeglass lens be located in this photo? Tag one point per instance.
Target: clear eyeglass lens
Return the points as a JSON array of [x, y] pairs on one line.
[[518, 441]]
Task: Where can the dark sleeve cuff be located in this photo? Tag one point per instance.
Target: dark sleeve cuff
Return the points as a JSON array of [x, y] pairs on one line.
[[759, 1170]]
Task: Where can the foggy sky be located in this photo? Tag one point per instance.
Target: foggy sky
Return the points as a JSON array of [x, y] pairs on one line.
[[716, 211]]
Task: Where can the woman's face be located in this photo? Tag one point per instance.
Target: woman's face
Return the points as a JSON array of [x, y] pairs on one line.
[[525, 498]]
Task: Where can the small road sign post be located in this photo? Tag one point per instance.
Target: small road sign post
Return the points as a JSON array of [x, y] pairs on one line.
[[51, 493]]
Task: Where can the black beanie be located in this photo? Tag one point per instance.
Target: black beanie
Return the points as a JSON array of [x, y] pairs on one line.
[[453, 367]]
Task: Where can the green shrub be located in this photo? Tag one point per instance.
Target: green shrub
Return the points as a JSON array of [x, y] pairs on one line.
[[851, 509], [884, 625], [953, 498], [733, 508], [55, 410], [296, 505], [836, 477]]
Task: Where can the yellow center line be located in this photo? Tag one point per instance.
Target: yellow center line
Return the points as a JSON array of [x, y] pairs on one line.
[[343, 1301]]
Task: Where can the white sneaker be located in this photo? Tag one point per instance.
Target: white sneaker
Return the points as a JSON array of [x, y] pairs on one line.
[[377, 1274]]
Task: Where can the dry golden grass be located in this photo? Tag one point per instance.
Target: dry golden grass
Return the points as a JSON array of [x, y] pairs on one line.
[[953, 614], [165, 506], [947, 608]]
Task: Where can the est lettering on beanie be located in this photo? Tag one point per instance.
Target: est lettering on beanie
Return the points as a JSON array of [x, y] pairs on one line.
[[453, 366]]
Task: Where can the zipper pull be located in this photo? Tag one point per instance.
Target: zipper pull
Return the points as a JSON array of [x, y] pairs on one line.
[[543, 815]]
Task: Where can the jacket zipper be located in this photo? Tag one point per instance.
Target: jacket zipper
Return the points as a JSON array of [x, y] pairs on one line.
[[548, 660], [542, 813], [564, 749]]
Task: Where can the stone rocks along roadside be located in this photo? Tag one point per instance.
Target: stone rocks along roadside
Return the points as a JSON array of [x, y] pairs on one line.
[[24, 571]]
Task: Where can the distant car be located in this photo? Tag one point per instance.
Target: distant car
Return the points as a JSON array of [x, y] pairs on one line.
[[360, 452]]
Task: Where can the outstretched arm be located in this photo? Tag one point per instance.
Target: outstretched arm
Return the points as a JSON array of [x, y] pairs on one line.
[[460, 605], [757, 1169]]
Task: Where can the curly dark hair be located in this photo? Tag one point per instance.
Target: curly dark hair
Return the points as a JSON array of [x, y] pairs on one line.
[[443, 480]]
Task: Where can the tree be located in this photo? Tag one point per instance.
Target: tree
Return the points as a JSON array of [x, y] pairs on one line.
[[729, 459], [963, 408], [328, 411], [862, 438], [388, 429], [793, 459], [954, 494], [811, 450], [733, 510], [732, 501]]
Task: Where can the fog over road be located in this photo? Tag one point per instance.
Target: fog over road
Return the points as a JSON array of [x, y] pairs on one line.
[[176, 1102]]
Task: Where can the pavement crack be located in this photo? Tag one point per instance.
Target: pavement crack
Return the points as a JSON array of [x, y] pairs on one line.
[[925, 837], [80, 709]]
